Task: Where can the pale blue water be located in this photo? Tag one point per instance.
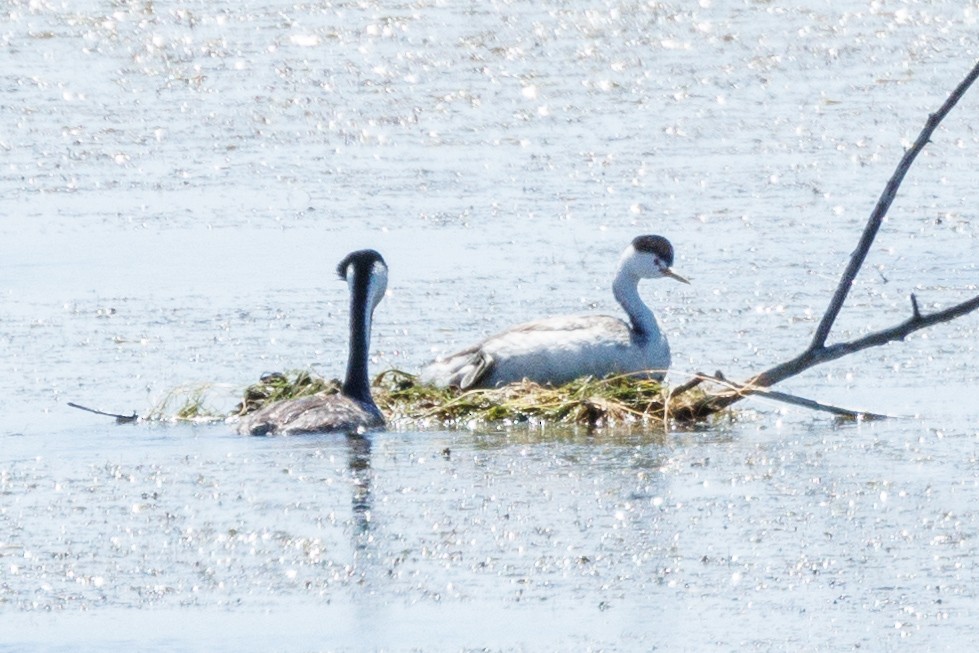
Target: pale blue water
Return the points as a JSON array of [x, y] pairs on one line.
[[179, 181]]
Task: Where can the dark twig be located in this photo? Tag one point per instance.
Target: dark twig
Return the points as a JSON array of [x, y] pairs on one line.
[[810, 358], [880, 210], [697, 379], [795, 400], [735, 391], [818, 352], [120, 419]]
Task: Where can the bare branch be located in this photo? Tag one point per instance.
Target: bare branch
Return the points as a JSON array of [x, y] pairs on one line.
[[740, 391], [816, 405], [697, 379], [120, 419], [898, 332], [880, 210], [812, 357], [817, 352]]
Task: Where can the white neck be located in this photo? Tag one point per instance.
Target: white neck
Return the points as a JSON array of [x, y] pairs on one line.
[[626, 291]]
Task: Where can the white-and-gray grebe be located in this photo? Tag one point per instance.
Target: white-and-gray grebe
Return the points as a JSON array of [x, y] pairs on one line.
[[353, 410], [559, 349]]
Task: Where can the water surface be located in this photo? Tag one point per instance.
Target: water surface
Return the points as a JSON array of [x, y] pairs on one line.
[[179, 182]]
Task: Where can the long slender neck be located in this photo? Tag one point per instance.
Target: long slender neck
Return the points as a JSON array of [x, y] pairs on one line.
[[357, 385], [641, 319]]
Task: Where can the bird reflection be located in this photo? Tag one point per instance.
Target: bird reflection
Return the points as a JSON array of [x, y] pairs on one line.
[[362, 496]]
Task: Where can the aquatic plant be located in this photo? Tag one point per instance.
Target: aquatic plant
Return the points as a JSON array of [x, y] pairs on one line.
[[187, 403], [277, 386], [407, 402]]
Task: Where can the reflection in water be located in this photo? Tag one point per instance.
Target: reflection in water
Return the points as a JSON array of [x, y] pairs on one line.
[[362, 498], [484, 150], [371, 617]]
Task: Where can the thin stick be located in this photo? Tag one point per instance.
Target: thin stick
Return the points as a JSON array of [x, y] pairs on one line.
[[817, 352], [809, 358], [740, 391], [880, 210], [120, 419], [795, 400]]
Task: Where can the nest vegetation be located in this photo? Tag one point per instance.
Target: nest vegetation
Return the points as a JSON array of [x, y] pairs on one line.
[[404, 401]]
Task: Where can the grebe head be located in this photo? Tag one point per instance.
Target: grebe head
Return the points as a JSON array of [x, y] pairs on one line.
[[365, 266], [650, 257]]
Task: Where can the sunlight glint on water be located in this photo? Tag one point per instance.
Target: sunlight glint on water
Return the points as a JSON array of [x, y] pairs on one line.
[[179, 182]]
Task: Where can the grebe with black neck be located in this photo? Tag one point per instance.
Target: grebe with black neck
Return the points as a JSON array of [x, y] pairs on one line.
[[352, 410]]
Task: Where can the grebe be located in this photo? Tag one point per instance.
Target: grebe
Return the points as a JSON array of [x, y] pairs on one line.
[[353, 410], [559, 349]]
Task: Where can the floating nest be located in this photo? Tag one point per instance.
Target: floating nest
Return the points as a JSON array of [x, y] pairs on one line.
[[587, 401], [277, 386]]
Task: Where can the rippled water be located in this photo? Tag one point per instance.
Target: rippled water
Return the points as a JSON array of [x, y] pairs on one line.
[[179, 180]]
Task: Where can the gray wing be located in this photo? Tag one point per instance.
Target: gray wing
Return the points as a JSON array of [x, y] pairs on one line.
[[463, 369], [474, 366], [313, 414]]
